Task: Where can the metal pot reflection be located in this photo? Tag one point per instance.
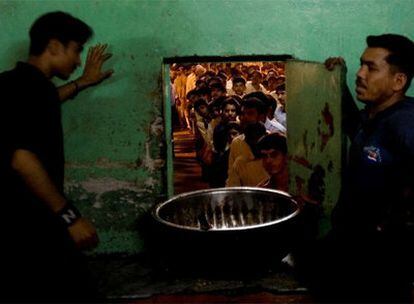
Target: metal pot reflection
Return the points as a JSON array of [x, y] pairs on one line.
[[226, 228]]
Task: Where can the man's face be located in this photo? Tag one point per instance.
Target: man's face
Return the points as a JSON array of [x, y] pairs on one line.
[[233, 133], [273, 161], [257, 78], [374, 79], [216, 93], [229, 112], [239, 88], [203, 111], [249, 115], [282, 98], [67, 59]]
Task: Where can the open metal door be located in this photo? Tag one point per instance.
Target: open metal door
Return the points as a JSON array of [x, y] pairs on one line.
[[315, 138]]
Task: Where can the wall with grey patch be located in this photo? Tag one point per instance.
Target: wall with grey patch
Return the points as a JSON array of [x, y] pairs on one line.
[[113, 132]]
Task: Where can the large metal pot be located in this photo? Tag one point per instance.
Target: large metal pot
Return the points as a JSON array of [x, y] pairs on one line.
[[226, 228]]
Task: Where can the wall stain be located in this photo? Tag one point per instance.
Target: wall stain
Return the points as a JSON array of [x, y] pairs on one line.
[[302, 161], [305, 142], [326, 131], [316, 184]]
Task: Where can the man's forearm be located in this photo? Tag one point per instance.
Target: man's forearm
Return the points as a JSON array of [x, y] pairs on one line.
[[70, 89], [31, 170]]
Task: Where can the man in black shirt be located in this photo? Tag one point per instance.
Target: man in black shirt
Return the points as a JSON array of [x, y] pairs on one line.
[[42, 232]]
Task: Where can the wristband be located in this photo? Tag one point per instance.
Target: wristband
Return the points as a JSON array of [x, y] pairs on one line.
[[69, 214]]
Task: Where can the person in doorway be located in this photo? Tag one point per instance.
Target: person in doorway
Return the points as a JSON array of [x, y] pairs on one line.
[[253, 110], [272, 150], [248, 171], [42, 231], [367, 257]]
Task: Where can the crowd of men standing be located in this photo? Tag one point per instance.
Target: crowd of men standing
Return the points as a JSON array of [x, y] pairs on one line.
[[237, 113]]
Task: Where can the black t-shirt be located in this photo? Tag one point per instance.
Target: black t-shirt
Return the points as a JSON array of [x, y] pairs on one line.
[[30, 119]]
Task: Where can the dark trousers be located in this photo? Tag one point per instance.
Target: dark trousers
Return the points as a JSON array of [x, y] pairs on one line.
[[356, 267], [39, 263]]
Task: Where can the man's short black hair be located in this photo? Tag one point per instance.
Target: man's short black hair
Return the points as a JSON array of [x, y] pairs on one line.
[[191, 93], [203, 91], [268, 102], [239, 80], [218, 86], [60, 26], [273, 141], [401, 52], [255, 103], [200, 102], [216, 104], [231, 101]]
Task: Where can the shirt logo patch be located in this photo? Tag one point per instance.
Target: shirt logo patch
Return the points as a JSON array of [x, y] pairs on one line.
[[373, 154]]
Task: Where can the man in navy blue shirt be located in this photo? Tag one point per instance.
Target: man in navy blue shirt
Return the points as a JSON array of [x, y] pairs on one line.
[[366, 257]]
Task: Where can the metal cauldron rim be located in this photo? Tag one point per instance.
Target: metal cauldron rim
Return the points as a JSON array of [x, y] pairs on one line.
[[157, 208]]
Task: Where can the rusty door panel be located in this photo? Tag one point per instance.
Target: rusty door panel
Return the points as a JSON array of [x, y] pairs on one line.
[[315, 137]]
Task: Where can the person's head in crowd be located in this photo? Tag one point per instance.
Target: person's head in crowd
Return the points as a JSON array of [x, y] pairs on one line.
[[280, 68], [188, 69], [280, 81], [201, 107], [200, 83], [208, 75], [214, 80], [239, 86], [192, 96], [213, 67], [217, 91], [272, 73], [230, 109], [173, 75], [252, 110], [227, 69], [235, 73], [233, 130], [258, 94], [204, 93], [250, 70], [272, 149], [199, 70], [215, 107], [180, 70], [272, 83], [256, 78], [281, 93], [271, 105], [252, 133], [245, 71], [223, 77]]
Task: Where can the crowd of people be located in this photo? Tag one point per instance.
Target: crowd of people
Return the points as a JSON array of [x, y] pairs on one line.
[[237, 113]]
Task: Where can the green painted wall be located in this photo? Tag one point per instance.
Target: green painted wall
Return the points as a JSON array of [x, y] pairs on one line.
[[114, 159]]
